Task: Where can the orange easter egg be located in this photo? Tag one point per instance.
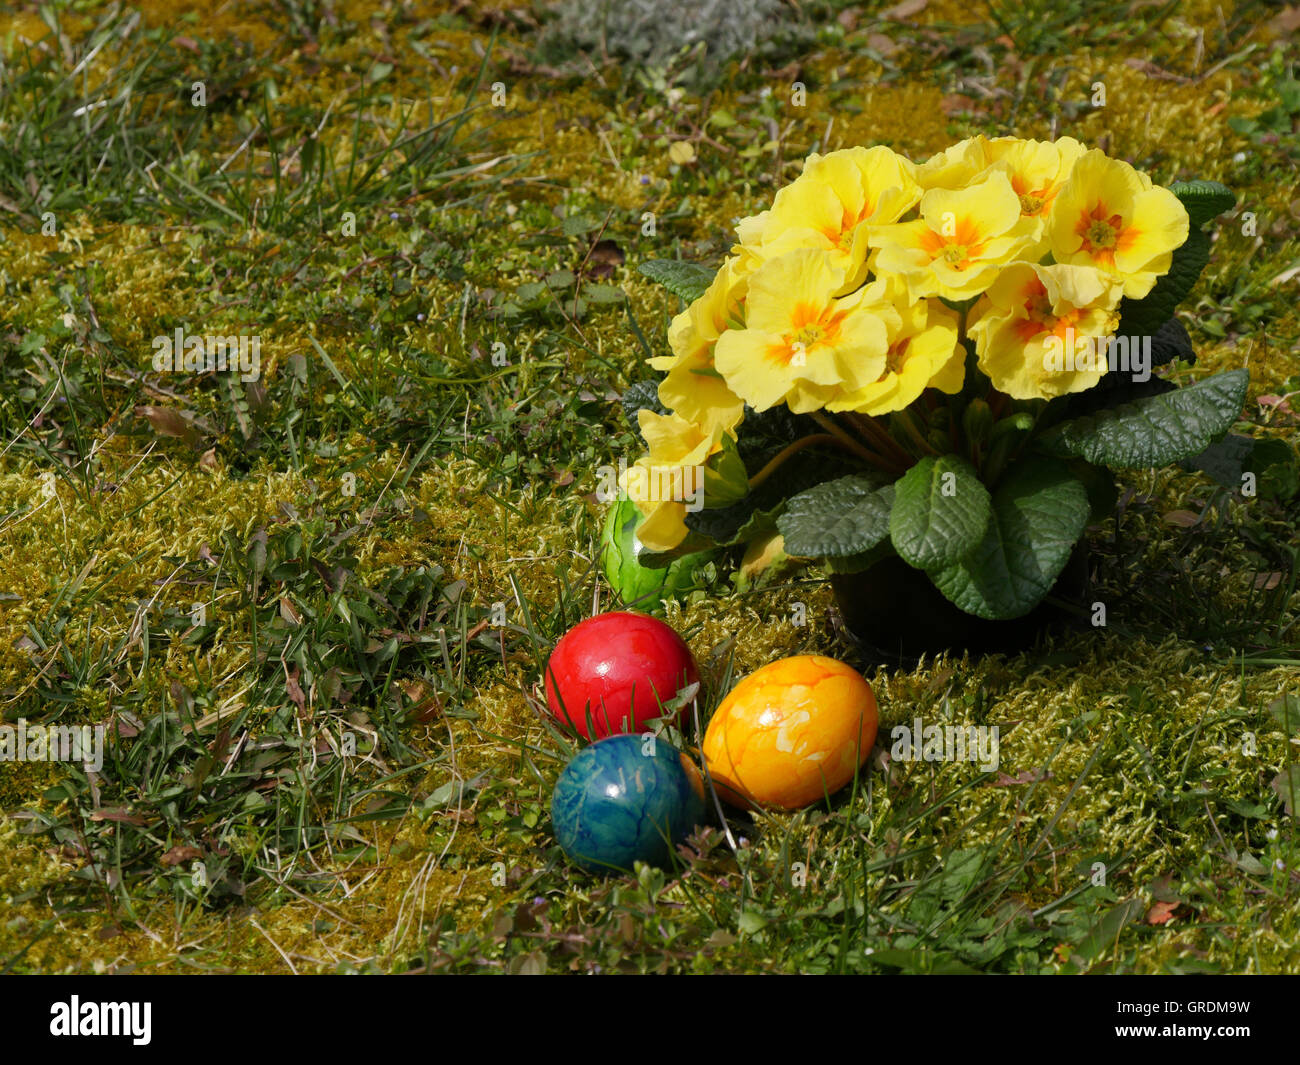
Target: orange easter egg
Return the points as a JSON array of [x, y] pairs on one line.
[[791, 733]]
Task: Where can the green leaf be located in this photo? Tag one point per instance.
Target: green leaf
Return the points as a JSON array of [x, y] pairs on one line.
[[1274, 464], [693, 544], [578, 224], [1251, 811], [603, 294], [1286, 786], [1145, 316], [940, 514], [755, 514], [1171, 343], [1039, 512], [1204, 200], [1157, 430], [864, 560], [1099, 483], [841, 517], [1286, 712], [1223, 461], [687, 280], [1102, 936], [641, 395]]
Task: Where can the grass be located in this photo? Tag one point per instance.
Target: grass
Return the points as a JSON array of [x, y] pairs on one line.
[[283, 596]]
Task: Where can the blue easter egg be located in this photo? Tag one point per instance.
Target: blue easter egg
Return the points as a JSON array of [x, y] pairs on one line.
[[625, 799]]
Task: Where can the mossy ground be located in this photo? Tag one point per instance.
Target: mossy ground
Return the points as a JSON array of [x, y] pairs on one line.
[[337, 764]]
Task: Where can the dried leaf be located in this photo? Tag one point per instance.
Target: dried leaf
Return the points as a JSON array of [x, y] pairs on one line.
[[119, 815], [886, 46], [607, 254], [905, 10], [181, 853], [1028, 776], [1161, 912], [167, 421], [294, 690], [1285, 22]]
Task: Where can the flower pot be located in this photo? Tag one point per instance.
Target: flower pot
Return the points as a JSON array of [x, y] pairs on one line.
[[895, 615]]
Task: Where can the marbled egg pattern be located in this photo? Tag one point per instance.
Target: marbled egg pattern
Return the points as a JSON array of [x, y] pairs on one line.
[[791, 732], [614, 804]]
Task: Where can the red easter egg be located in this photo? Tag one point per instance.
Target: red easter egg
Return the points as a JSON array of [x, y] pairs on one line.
[[620, 667]]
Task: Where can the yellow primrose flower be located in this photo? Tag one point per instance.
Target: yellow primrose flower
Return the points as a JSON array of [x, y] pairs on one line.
[[669, 481], [1037, 171], [956, 167], [960, 242], [1041, 331], [829, 205], [924, 352], [749, 231], [692, 387], [801, 345], [1110, 216]]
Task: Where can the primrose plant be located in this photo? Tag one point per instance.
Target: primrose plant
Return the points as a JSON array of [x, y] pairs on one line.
[[941, 363]]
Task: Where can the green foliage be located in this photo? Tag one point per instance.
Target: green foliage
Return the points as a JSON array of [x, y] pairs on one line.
[[689, 281], [1275, 124], [1143, 317], [1204, 200], [940, 514], [1276, 469], [837, 519], [1039, 512], [1223, 461], [1157, 430]]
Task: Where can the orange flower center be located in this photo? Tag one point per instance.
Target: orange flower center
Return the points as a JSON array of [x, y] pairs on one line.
[[958, 248], [810, 325], [1104, 233], [1032, 201], [842, 236], [1040, 316], [895, 358]]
